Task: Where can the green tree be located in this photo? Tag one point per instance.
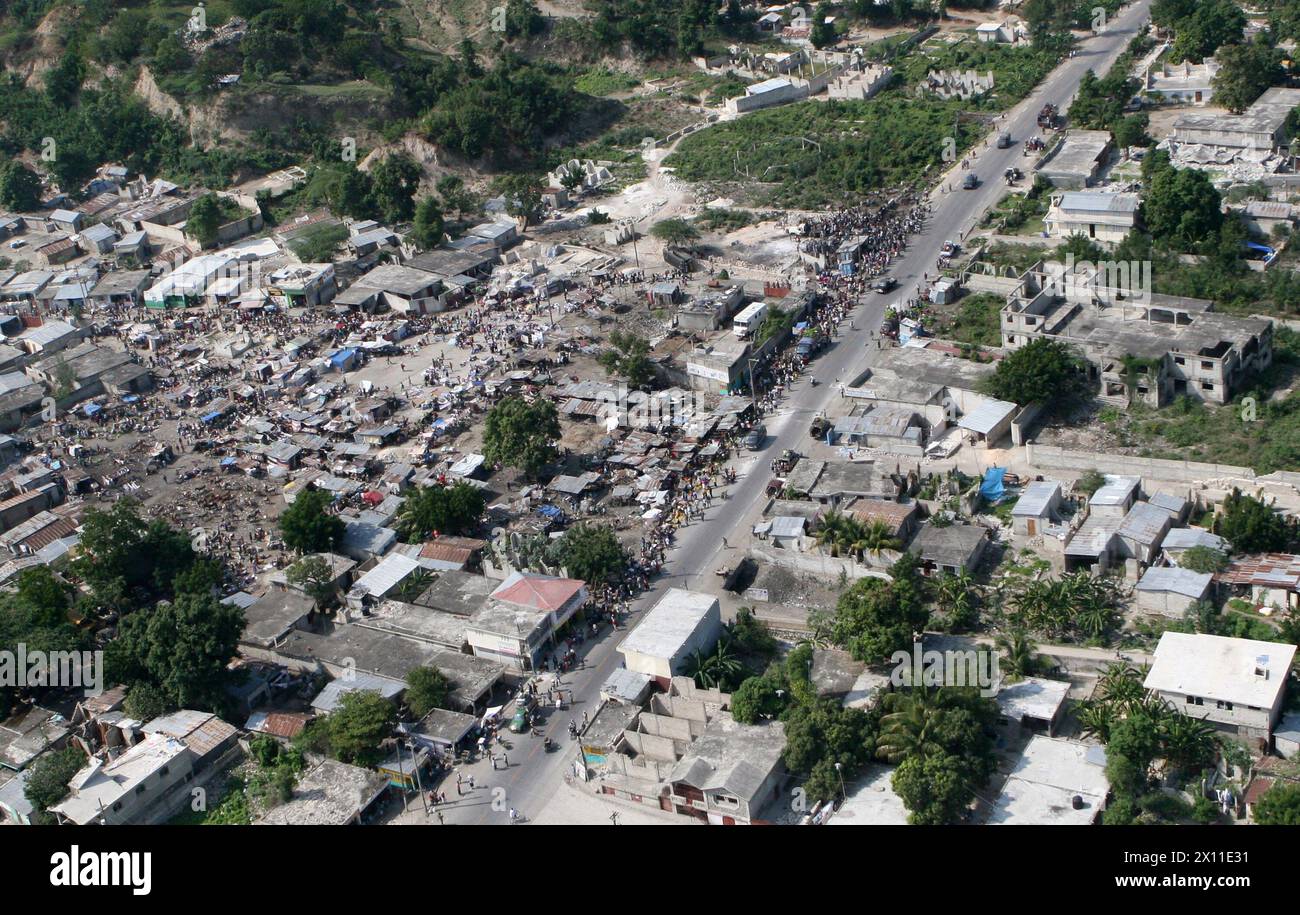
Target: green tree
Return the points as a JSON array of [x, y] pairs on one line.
[[315, 577], [675, 232], [181, 648], [144, 702], [520, 434], [393, 183], [1043, 370], [442, 509], [355, 731], [523, 19], [523, 197], [935, 789], [308, 527], [1212, 24], [629, 358], [429, 229], [1203, 559], [47, 781], [757, 698], [592, 553], [1245, 71], [1182, 208], [1280, 806], [1251, 526], [20, 188], [204, 220], [427, 688], [874, 618], [823, 32]]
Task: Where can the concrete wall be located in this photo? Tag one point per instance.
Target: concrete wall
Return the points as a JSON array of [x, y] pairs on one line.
[[1049, 457]]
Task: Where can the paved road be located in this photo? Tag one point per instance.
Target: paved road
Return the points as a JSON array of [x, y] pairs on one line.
[[533, 776]]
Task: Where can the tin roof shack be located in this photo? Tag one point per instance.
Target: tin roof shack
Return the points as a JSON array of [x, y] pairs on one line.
[[26, 735], [213, 742], [730, 772], [1103, 217], [1038, 508], [1237, 685], [679, 623], [381, 581], [1264, 217], [950, 549], [146, 785], [1271, 579], [1169, 590], [894, 430], [1055, 783], [901, 519], [1077, 160], [49, 338], [15, 809], [1141, 532], [834, 482], [330, 793], [1181, 539]]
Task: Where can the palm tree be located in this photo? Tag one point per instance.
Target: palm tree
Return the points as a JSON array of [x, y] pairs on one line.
[[1188, 743], [1120, 684], [1096, 719], [911, 730], [724, 666], [697, 668], [1018, 658], [874, 538]]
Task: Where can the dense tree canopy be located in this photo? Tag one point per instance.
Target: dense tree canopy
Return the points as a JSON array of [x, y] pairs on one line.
[[592, 553], [181, 648], [1042, 371], [307, 525], [1253, 527], [440, 509], [522, 434]]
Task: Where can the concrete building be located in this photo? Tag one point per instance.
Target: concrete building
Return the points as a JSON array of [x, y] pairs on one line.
[[1138, 345], [730, 772], [1169, 590], [1237, 685], [1100, 217], [1185, 83], [1261, 128], [680, 623], [1054, 783], [950, 549], [1077, 160]]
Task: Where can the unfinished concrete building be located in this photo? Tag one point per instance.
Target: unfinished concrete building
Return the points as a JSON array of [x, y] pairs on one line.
[[1139, 346]]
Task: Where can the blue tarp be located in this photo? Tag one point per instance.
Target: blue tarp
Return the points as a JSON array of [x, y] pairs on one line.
[[550, 511], [227, 461], [209, 417], [992, 489], [131, 398], [91, 409]]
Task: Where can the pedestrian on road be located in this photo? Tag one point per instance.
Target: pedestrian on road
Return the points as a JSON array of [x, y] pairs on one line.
[[441, 820]]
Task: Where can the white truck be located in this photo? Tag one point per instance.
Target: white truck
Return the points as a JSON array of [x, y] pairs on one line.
[[749, 319]]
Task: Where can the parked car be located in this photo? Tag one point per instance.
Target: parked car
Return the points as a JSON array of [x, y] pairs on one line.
[[755, 438]]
